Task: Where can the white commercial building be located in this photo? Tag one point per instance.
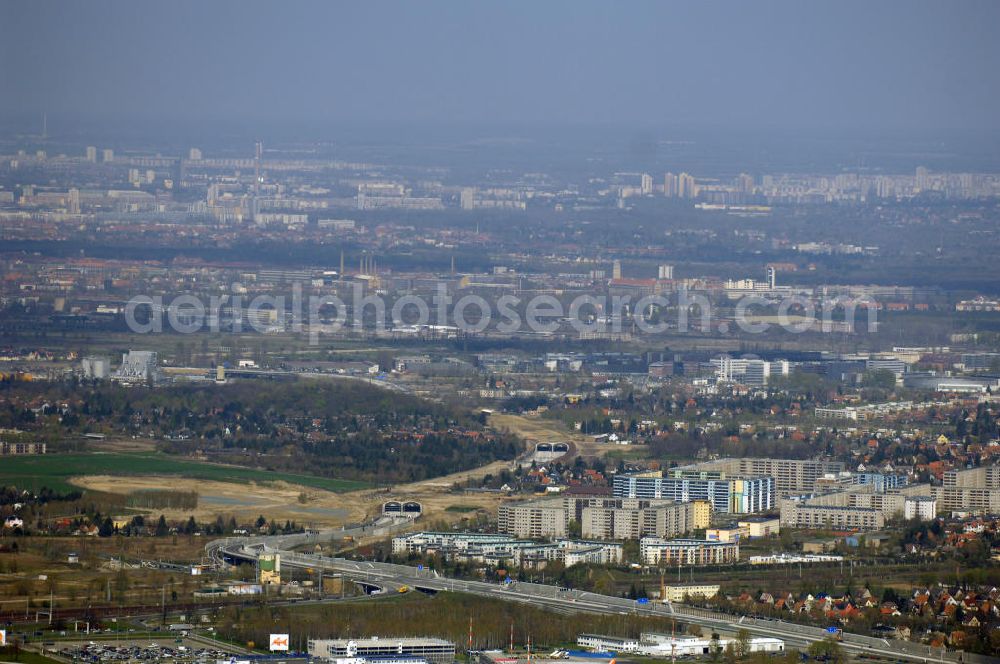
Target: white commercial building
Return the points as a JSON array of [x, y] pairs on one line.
[[600, 643], [138, 366], [793, 558], [923, 508], [437, 651], [665, 645]]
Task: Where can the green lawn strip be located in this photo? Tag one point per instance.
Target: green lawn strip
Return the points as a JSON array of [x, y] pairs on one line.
[[53, 470], [25, 657]]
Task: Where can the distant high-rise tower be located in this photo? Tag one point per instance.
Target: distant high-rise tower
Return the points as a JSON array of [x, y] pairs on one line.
[[194, 154], [646, 184], [772, 274], [669, 185], [91, 154], [685, 186], [616, 269], [107, 155], [923, 179], [468, 198], [73, 201], [258, 153], [665, 272]]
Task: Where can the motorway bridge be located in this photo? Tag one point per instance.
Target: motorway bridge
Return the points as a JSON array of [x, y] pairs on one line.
[[391, 577]]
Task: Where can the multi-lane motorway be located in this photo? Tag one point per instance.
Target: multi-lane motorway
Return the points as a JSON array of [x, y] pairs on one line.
[[393, 577]]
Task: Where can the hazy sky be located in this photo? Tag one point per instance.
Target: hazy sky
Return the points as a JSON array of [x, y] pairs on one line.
[[840, 64]]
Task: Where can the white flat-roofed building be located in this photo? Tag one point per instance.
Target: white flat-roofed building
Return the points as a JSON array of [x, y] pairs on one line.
[[496, 550], [570, 552], [655, 551], [893, 364], [664, 645], [793, 558], [922, 508], [396, 659], [849, 413], [601, 643], [423, 541], [436, 651], [337, 224]]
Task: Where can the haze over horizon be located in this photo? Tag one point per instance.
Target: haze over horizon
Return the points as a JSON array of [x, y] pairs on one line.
[[843, 68]]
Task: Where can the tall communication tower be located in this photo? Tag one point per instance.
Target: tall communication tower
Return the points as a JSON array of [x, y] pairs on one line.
[[258, 152]]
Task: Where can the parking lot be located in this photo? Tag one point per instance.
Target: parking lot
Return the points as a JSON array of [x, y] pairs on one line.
[[140, 651]]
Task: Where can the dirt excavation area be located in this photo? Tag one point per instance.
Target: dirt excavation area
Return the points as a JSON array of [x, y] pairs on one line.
[[314, 508], [318, 508], [535, 428], [543, 430], [245, 501]]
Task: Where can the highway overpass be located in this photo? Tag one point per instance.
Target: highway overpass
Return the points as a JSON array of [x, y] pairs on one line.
[[391, 577]]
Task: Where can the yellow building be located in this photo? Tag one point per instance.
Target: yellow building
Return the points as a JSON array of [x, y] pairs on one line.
[[761, 527], [724, 534], [677, 591], [702, 514]]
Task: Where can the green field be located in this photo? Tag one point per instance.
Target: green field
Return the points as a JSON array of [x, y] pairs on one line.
[[53, 470], [25, 657]]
